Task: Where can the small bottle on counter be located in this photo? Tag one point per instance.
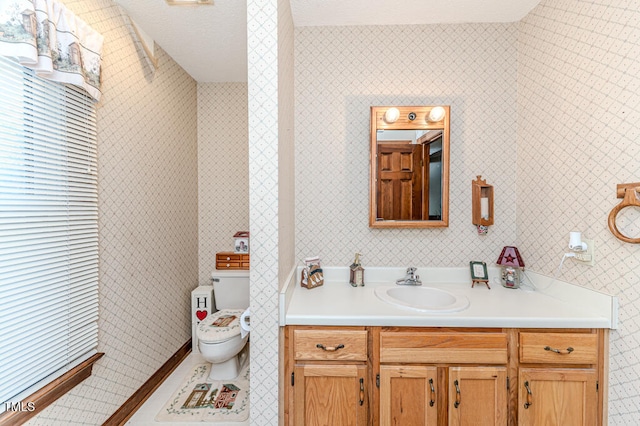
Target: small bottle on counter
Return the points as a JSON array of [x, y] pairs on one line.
[[356, 273]]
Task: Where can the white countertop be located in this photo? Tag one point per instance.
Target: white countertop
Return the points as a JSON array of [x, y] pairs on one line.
[[555, 304]]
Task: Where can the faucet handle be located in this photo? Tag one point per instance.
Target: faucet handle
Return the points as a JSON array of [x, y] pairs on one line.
[[411, 270]]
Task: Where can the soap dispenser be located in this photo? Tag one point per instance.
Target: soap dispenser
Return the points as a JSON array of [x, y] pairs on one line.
[[356, 274]]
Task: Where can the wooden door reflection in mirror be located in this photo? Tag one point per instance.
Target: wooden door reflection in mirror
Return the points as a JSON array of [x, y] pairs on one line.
[[409, 185]]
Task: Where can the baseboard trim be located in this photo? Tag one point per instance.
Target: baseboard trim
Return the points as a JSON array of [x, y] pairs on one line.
[[136, 400], [51, 392]]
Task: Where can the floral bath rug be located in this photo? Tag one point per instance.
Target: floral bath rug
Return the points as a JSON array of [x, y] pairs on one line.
[[203, 400]]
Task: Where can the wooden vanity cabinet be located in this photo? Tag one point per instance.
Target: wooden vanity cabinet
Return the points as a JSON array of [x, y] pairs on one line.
[[329, 376], [445, 376], [559, 377], [408, 395]]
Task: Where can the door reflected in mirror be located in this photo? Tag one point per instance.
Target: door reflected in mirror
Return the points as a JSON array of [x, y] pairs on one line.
[[409, 185]]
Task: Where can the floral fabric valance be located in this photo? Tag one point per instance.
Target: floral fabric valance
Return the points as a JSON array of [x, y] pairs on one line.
[[47, 37]]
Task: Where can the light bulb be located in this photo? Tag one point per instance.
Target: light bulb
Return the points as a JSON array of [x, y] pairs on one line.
[[436, 114], [392, 115]]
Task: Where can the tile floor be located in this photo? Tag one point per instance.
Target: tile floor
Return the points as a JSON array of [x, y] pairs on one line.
[[145, 416]]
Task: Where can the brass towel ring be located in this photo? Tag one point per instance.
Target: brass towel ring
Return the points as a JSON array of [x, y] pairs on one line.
[[630, 193]]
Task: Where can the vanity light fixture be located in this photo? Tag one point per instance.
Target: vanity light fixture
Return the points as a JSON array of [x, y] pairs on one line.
[[392, 115], [189, 2], [436, 114]]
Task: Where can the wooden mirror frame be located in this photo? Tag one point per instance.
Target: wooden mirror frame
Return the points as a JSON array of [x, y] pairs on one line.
[[404, 122]]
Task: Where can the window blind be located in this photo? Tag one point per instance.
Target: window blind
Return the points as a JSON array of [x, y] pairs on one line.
[[48, 230]]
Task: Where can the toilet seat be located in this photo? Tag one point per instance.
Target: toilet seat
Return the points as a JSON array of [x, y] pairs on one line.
[[220, 326]]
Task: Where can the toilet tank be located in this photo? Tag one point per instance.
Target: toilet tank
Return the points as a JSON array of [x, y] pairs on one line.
[[231, 289]]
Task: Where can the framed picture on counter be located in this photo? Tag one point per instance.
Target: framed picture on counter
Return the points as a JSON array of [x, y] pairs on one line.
[[479, 273]]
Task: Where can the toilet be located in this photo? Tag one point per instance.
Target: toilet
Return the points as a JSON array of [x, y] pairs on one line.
[[219, 336]]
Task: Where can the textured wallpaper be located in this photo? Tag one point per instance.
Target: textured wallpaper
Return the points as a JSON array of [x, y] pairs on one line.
[[579, 136], [546, 110], [286, 181], [147, 182], [339, 73], [263, 30], [286, 142], [223, 170]]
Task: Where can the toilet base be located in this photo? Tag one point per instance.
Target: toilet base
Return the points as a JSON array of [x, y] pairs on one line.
[[229, 369]]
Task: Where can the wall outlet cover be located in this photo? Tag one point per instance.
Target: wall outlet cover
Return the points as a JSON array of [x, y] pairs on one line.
[[587, 257]]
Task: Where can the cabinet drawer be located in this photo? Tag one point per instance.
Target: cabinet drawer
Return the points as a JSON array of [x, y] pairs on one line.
[[228, 257], [558, 348], [459, 347], [230, 260], [227, 265], [323, 345]]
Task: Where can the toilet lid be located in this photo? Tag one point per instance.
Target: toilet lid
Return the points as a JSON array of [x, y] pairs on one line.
[[219, 326]]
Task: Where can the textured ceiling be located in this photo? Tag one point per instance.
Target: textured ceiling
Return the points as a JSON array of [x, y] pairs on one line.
[[210, 42], [406, 12]]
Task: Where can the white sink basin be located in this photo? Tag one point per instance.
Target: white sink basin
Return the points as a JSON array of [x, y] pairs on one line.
[[423, 299]]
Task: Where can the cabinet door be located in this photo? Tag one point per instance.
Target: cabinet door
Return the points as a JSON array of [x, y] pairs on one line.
[[557, 397], [408, 395], [330, 395], [478, 396]]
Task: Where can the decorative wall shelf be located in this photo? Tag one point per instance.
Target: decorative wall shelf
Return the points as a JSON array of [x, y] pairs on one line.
[[482, 202]]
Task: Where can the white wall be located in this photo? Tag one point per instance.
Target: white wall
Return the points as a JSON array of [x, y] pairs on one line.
[[223, 170], [340, 73], [148, 223], [270, 190], [286, 143], [578, 137]]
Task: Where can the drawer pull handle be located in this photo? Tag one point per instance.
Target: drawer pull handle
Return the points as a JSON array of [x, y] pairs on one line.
[[457, 403], [433, 394], [361, 391], [329, 348], [529, 395], [559, 351]]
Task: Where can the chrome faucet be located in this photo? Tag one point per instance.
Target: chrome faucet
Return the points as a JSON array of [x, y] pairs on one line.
[[411, 278]]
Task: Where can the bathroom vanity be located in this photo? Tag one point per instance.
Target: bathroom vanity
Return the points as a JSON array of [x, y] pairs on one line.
[[511, 357]]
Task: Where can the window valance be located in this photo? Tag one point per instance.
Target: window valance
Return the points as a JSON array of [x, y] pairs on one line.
[[47, 37]]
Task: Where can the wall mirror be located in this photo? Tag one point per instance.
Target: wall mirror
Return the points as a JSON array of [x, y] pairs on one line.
[[409, 167]]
